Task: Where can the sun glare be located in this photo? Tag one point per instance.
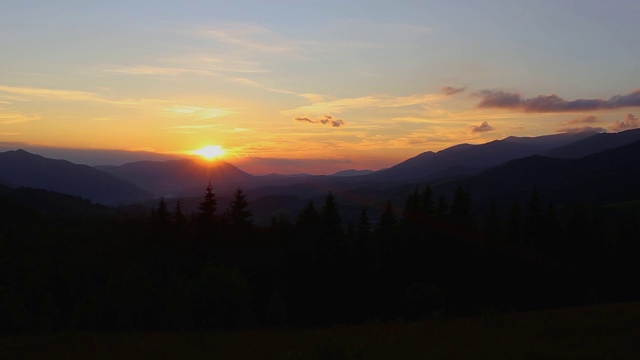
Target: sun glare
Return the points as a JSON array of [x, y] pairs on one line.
[[210, 152]]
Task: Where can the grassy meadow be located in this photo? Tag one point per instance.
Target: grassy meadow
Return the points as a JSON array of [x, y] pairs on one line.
[[609, 331]]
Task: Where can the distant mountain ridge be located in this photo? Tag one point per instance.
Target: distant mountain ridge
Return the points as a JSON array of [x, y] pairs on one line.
[[593, 144], [144, 180], [352, 172], [19, 168], [607, 176], [467, 159], [181, 177]]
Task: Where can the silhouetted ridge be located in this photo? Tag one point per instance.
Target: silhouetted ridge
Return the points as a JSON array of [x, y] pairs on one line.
[[467, 159], [608, 176], [21, 168], [180, 177], [594, 144]]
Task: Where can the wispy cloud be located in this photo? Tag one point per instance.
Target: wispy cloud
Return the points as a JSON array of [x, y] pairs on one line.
[[582, 124], [553, 103], [630, 122], [199, 112], [321, 106], [326, 119], [448, 90], [257, 84], [15, 117], [190, 127], [103, 118], [484, 127], [28, 93], [52, 94], [250, 38], [585, 120], [148, 70]]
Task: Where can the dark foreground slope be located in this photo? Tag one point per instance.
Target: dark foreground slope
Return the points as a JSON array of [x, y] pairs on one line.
[[590, 332]]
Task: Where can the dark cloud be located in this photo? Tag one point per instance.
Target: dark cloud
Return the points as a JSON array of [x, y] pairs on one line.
[[553, 103], [585, 120], [630, 122], [305, 119], [579, 129], [326, 119], [484, 127], [581, 124], [448, 90]]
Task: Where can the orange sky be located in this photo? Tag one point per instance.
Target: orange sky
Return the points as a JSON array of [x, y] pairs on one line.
[[308, 87]]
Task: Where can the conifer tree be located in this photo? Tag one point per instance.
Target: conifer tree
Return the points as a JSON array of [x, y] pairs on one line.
[[160, 215], [238, 212], [387, 230], [332, 233], [428, 206], [308, 229], [178, 215], [207, 208], [442, 209], [461, 213]]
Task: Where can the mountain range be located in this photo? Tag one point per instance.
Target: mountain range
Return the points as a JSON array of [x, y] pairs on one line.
[[19, 168], [593, 166]]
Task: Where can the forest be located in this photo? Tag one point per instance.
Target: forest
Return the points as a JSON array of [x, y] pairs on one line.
[[69, 265]]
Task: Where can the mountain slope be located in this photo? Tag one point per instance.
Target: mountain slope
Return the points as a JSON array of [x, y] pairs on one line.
[[21, 168], [466, 159], [609, 176], [181, 177], [594, 144]]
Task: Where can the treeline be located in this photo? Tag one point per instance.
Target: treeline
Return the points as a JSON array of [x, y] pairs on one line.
[[99, 269]]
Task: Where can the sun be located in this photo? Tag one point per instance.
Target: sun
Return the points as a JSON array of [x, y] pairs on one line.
[[210, 152]]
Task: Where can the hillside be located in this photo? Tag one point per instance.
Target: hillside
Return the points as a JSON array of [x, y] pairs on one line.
[[466, 159], [20, 168]]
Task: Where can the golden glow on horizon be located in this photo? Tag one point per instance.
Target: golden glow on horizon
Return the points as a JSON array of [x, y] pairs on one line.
[[210, 152]]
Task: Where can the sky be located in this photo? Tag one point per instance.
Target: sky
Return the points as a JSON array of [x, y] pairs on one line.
[[312, 86]]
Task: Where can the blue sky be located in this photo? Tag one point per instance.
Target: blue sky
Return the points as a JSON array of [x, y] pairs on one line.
[[331, 84]]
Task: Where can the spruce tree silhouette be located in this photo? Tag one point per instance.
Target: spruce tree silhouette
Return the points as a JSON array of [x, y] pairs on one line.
[[238, 212], [207, 209], [160, 216], [331, 242], [461, 212], [178, 216], [239, 216]]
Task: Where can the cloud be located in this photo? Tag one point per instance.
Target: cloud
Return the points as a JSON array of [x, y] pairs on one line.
[[199, 112], [25, 93], [582, 124], [484, 127], [448, 90], [251, 38], [553, 103], [15, 117], [191, 127], [579, 129], [319, 105], [326, 119], [54, 94], [149, 70], [585, 120], [630, 122]]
